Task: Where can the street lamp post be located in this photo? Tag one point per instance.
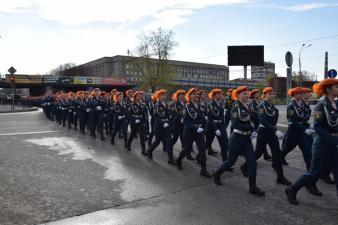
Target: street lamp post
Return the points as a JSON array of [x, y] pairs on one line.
[[302, 48]]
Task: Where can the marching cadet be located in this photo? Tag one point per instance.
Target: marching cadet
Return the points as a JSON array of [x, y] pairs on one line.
[[297, 132], [77, 104], [111, 111], [101, 114], [128, 102], [162, 126], [216, 123], [151, 108], [324, 149], [229, 102], [203, 102], [177, 111], [84, 110], [325, 174], [267, 134], [255, 95], [64, 109], [59, 109], [71, 109], [193, 131], [137, 121], [107, 112], [240, 140], [93, 114], [119, 112]]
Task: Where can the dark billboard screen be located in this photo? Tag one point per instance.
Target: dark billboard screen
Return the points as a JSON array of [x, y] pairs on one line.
[[246, 55]]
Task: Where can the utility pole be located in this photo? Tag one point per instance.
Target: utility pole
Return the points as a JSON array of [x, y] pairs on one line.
[[326, 65]]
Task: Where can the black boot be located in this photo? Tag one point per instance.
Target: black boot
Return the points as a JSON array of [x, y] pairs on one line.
[[327, 179], [292, 195], [150, 154], [94, 135], [253, 189], [284, 162], [171, 160], [144, 152], [205, 173], [112, 141], [314, 190], [211, 151], [102, 137], [190, 157], [244, 169], [179, 164], [282, 180], [267, 157], [217, 178]]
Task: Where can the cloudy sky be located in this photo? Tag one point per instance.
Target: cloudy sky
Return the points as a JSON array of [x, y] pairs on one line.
[[38, 35]]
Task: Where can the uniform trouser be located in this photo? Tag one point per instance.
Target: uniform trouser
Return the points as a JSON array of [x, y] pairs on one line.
[[147, 126], [92, 120], [240, 143], [227, 118], [222, 140], [163, 135], [189, 136], [70, 117], [106, 122], [137, 128], [82, 119], [110, 122], [76, 117], [120, 125], [177, 132], [152, 133], [59, 116], [294, 137], [323, 153], [54, 112], [64, 115], [268, 137], [100, 122]]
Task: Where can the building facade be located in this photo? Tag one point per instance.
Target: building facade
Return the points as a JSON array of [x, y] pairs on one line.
[[262, 73], [184, 73]]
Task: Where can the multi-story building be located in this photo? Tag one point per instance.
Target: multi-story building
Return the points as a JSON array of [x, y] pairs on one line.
[[262, 73], [184, 73]]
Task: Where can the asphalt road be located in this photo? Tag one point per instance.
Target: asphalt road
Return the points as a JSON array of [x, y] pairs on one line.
[[49, 173]]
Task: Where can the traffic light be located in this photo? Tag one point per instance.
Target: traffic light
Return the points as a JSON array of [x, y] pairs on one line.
[[12, 81]]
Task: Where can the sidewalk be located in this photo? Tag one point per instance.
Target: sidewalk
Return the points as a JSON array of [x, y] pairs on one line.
[[17, 108]]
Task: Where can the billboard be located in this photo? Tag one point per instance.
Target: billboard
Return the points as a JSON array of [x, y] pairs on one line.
[[114, 81], [27, 79], [65, 80], [246, 55], [87, 80], [51, 79]]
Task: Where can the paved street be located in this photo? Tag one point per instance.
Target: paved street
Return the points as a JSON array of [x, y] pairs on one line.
[[52, 175]]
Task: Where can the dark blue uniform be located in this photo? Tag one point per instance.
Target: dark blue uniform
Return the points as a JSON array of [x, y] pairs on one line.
[[151, 110], [216, 122], [324, 149], [84, 111], [268, 118], [163, 130], [229, 103], [295, 134], [177, 110], [120, 121], [137, 119], [194, 122]]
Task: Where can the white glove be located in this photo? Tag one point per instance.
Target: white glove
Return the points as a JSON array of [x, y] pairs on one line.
[[200, 130], [88, 110], [74, 113], [310, 132], [70, 110], [182, 120], [279, 134], [165, 125], [98, 107], [137, 121], [206, 118], [218, 133], [120, 117], [253, 135]]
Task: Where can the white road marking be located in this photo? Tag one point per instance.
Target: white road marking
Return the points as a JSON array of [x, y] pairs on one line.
[[24, 133], [17, 113]]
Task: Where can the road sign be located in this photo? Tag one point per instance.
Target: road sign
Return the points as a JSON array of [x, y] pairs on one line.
[[332, 73], [12, 70], [288, 59]]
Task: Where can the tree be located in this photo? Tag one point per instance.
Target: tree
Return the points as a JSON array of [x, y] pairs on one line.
[[306, 76], [152, 63], [61, 69]]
